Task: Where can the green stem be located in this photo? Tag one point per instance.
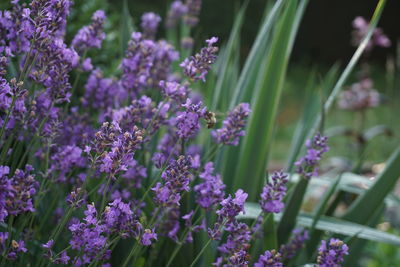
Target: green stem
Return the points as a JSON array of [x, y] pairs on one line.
[[131, 253], [200, 253]]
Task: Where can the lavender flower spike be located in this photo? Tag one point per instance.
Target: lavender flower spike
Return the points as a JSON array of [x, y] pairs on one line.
[[232, 126], [211, 191], [231, 207], [332, 254], [149, 24], [197, 67], [91, 36], [297, 242], [193, 12], [175, 13], [274, 192], [269, 259], [307, 165]]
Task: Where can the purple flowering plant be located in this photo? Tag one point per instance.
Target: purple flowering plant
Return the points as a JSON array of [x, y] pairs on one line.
[[131, 160]]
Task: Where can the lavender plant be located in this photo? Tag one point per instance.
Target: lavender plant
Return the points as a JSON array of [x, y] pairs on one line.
[[126, 169]]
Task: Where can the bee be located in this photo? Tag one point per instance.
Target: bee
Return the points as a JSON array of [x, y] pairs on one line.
[[210, 119]]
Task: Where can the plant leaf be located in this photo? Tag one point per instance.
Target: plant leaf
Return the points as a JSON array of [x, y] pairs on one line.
[[330, 224]]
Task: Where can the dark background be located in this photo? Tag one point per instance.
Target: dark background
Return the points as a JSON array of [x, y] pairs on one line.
[[324, 34]]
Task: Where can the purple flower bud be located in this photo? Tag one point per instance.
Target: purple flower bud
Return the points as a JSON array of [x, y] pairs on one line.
[[193, 12], [297, 242], [187, 122], [269, 259], [274, 192], [175, 13], [233, 126], [331, 254], [177, 177], [211, 191], [91, 36], [360, 26], [174, 91], [360, 96], [149, 24], [307, 165], [196, 67], [147, 236], [231, 207]]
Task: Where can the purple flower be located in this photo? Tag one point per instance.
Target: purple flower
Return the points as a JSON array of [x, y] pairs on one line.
[[274, 192], [193, 12], [360, 96], [231, 207], [236, 245], [87, 64], [147, 236], [76, 198], [119, 218], [187, 122], [331, 254], [100, 93], [64, 160], [146, 63], [91, 36], [116, 148], [16, 28], [16, 247], [174, 91], [24, 189], [89, 238], [135, 174], [269, 259], [316, 147], [360, 29], [149, 24], [233, 126], [6, 191], [211, 191], [49, 244], [140, 113], [177, 177], [62, 259], [297, 242], [197, 67], [175, 13]]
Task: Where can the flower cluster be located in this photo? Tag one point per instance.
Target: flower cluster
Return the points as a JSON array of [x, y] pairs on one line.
[[211, 191], [149, 24], [197, 67], [193, 11], [16, 193], [15, 247], [175, 13], [90, 36], [177, 177], [115, 148], [233, 126], [269, 259], [297, 242], [360, 96], [188, 121], [360, 26], [101, 93], [331, 254], [146, 63], [316, 147], [274, 192]]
